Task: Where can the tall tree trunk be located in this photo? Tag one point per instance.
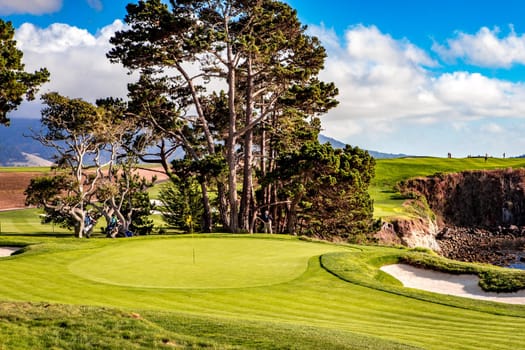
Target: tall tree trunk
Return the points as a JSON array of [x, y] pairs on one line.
[[232, 186], [247, 188], [210, 145], [291, 225], [207, 217], [263, 165], [231, 156], [223, 206], [79, 229]]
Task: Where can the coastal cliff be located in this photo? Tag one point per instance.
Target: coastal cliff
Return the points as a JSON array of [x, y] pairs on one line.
[[471, 216]]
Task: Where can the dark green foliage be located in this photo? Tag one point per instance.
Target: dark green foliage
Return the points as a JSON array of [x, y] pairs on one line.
[[45, 187], [315, 98], [53, 193], [83, 136], [182, 207], [510, 280], [140, 224], [327, 190], [262, 54], [14, 81], [183, 200]]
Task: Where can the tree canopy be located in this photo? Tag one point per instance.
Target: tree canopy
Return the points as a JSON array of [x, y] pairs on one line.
[[229, 102], [15, 82], [261, 55], [94, 171], [326, 191]]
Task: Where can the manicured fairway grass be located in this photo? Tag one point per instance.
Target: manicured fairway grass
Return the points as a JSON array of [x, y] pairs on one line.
[[389, 172], [27, 222], [303, 308]]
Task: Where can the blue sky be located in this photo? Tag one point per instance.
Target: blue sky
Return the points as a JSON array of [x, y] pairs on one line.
[[415, 77]]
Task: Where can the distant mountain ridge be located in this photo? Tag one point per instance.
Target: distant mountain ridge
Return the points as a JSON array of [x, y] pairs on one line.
[[17, 149], [378, 155]]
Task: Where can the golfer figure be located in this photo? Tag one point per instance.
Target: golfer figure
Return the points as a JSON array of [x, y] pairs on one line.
[[267, 221]]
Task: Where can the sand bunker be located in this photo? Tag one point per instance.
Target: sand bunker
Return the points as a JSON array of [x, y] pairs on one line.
[[445, 283], [7, 251]]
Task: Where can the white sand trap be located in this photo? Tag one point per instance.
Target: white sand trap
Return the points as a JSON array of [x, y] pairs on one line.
[[7, 251], [445, 283]]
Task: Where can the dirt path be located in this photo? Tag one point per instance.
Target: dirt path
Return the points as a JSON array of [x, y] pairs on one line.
[[445, 283]]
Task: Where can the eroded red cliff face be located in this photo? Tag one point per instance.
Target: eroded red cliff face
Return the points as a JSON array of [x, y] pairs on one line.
[[475, 215], [486, 199]]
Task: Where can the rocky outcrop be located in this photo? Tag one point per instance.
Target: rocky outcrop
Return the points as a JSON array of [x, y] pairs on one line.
[[416, 232], [504, 247], [479, 215], [485, 199]]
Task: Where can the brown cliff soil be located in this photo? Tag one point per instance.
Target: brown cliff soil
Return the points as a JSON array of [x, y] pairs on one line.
[[474, 198], [481, 213]]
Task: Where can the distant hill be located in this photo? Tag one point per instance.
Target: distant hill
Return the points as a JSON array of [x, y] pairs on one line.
[[16, 149], [375, 154]]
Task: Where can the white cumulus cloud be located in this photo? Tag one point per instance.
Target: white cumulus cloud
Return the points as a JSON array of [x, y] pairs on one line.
[[33, 7], [76, 60], [390, 94], [485, 48], [387, 86], [58, 37]]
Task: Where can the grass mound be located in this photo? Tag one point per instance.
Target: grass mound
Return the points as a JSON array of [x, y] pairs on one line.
[[49, 326], [53, 326], [362, 268], [492, 279]]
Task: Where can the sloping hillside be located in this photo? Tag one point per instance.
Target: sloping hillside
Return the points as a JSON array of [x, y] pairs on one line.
[[377, 155], [465, 209], [17, 149], [12, 187]]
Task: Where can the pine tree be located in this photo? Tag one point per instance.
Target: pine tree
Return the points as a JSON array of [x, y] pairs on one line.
[[258, 49], [15, 83]]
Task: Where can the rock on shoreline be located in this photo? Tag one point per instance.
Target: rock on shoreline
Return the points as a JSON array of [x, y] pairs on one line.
[[501, 246]]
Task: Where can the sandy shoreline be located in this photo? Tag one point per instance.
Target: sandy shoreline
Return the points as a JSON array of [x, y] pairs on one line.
[[7, 251], [444, 283]]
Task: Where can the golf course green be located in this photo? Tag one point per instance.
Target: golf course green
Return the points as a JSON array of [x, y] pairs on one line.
[[255, 291], [197, 263]]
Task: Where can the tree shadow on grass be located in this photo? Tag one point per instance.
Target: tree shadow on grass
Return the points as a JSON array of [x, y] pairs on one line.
[[38, 234], [395, 194]]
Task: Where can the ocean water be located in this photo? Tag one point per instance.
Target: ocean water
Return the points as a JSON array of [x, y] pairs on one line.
[[518, 265]]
